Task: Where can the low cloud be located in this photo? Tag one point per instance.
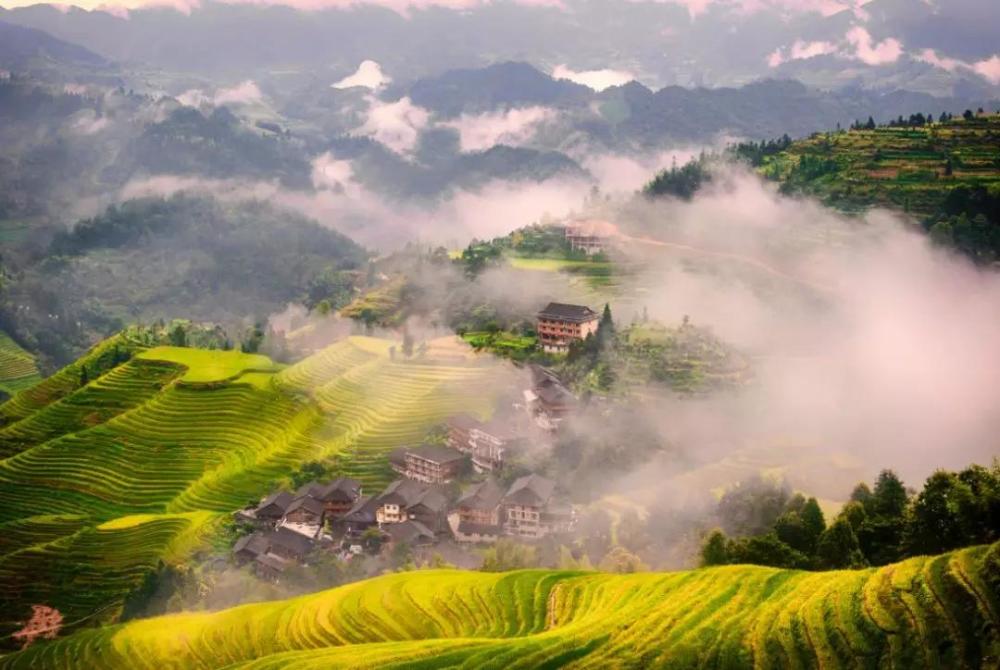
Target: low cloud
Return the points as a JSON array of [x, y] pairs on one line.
[[397, 125], [512, 127], [870, 52], [988, 68], [595, 79], [368, 75], [800, 50], [244, 93]]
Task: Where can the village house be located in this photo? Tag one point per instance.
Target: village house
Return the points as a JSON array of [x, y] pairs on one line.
[[407, 500], [560, 324], [272, 552], [272, 508], [486, 444], [476, 517], [271, 567], [290, 545], [591, 236], [429, 463], [306, 511], [249, 547], [530, 511], [337, 496], [359, 518], [410, 532], [548, 401]]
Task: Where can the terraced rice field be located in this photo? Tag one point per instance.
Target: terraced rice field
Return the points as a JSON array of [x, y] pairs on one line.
[[375, 404], [103, 475], [929, 612], [17, 367], [898, 167]]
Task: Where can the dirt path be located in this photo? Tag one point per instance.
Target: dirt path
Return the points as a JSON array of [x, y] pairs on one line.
[[739, 258]]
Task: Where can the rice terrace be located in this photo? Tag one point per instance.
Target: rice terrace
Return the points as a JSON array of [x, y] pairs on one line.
[[496, 334]]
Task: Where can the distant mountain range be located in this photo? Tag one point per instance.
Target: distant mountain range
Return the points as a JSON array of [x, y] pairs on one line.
[[659, 43]]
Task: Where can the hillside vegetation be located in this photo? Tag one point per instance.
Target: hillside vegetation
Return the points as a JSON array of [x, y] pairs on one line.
[[133, 456], [17, 367], [928, 612], [940, 172]]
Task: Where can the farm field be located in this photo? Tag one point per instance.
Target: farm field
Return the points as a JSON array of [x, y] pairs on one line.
[[17, 367], [911, 168], [927, 612], [120, 462]]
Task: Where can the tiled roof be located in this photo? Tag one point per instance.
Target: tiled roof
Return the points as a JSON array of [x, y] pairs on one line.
[[563, 312], [531, 489]]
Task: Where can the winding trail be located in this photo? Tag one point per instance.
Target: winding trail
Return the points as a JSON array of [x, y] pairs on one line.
[[725, 255]]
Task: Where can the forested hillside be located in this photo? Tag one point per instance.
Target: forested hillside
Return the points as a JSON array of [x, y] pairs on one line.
[[156, 258]]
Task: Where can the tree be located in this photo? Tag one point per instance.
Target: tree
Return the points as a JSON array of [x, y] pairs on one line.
[[854, 513], [766, 550], [84, 376], [178, 336], [933, 524], [506, 554], [620, 560], [861, 494], [791, 530], [889, 497], [813, 520], [407, 347], [838, 548], [714, 551], [968, 115], [871, 124]]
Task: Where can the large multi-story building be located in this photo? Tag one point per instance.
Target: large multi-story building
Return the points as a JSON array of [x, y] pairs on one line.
[[592, 236], [485, 443], [560, 324], [531, 511], [429, 463]]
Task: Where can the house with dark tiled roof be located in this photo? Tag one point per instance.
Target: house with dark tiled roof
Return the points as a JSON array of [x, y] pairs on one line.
[[249, 547], [530, 509], [409, 532], [271, 567], [486, 444], [290, 545], [429, 463], [360, 517], [337, 496], [560, 324], [476, 515], [273, 507], [304, 510]]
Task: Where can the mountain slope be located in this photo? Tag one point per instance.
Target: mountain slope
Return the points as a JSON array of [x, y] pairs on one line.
[[105, 474], [930, 612], [24, 48], [936, 172]]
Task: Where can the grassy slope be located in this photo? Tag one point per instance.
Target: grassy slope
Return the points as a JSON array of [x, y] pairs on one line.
[[98, 483], [17, 367], [937, 612], [902, 168]]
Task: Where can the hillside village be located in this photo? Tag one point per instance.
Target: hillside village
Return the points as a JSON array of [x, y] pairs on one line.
[[449, 492]]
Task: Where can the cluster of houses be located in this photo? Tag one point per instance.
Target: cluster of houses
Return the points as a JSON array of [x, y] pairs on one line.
[[418, 509]]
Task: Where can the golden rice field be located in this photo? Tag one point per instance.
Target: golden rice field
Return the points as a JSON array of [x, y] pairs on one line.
[[928, 612], [132, 456]]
